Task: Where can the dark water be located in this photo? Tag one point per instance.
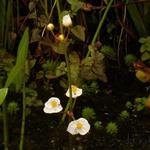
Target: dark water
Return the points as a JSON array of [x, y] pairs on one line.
[[42, 130]]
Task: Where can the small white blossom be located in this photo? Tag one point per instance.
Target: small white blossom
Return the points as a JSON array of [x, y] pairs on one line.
[[66, 21], [52, 105], [50, 27], [76, 92], [80, 126]]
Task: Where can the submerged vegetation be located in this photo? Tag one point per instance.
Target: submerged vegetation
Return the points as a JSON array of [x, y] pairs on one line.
[[80, 69]]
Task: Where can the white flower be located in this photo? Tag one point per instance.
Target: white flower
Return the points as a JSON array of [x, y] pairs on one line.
[[52, 105], [80, 126], [66, 21], [50, 27], [76, 92]]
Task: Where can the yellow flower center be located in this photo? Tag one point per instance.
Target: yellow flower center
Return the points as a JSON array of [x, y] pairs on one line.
[[79, 125], [54, 103], [74, 89]]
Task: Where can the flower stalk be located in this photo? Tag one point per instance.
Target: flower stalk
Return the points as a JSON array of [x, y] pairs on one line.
[[23, 117], [100, 25], [5, 126], [69, 104]]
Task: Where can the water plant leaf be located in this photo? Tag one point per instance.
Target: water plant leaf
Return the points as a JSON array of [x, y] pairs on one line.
[[75, 70], [88, 113], [79, 32], [74, 57], [12, 107], [16, 75], [137, 19], [93, 67], [12, 75], [145, 56], [112, 128], [35, 35], [130, 59], [3, 93], [145, 48], [75, 5], [60, 47], [98, 66], [61, 69], [31, 102], [86, 69], [74, 66], [23, 48], [108, 51]]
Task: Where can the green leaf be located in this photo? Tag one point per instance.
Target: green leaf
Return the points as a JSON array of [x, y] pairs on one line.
[[136, 18], [79, 32], [145, 56], [23, 48], [129, 59], [33, 102], [86, 71], [72, 2], [98, 67], [74, 69], [74, 57], [12, 74], [75, 5], [142, 40], [93, 67], [61, 47], [61, 69], [16, 75], [88, 113], [108, 51], [3, 93]]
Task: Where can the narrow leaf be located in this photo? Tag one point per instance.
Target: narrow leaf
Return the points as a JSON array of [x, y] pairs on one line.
[[23, 48], [137, 19], [3, 93], [16, 74], [12, 75]]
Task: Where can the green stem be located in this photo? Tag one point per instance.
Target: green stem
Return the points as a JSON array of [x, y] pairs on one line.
[[23, 119], [49, 17], [73, 104], [5, 125], [68, 68], [100, 25], [46, 8], [7, 22], [120, 36], [59, 16], [18, 13], [70, 90]]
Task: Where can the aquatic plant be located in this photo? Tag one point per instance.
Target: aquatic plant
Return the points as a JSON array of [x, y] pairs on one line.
[[52, 105], [112, 128], [79, 126]]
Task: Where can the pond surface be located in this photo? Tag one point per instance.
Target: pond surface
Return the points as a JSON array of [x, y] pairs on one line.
[[43, 132]]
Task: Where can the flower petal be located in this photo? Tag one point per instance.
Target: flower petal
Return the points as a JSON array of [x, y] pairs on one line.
[[49, 108], [72, 128], [74, 94], [52, 110], [66, 21], [51, 99]]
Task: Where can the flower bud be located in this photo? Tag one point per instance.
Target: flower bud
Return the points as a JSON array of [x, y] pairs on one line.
[[66, 21], [50, 27], [61, 37]]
